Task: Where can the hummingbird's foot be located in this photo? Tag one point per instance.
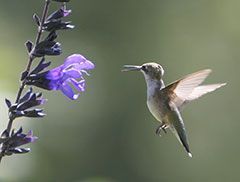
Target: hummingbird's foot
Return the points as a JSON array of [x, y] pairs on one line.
[[158, 131], [164, 129], [160, 128]]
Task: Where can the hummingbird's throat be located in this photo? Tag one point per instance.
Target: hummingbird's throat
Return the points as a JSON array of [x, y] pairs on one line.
[[153, 86]]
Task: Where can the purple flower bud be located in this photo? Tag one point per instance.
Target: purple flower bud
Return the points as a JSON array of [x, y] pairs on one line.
[[70, 73], [41, 66], [46, 47], [18, 139], [58, 14], [15, 140], [57, 24], [66, 12], [26, 102]]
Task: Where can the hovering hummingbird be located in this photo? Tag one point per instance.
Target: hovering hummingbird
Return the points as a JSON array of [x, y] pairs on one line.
[[165, 103]]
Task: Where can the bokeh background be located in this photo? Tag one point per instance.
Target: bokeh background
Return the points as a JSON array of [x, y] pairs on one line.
[[108, 134]]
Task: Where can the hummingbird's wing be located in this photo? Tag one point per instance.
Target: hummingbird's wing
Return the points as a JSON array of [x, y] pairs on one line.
[[202, 90], [187, 88], [178, 128]]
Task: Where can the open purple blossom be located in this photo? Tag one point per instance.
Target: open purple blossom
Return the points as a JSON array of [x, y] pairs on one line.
[[64, 77]]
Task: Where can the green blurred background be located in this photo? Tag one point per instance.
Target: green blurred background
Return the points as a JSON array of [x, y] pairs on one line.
[[108, 134]]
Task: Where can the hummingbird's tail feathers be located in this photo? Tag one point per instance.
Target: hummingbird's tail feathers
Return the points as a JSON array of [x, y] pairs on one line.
[[185, 144], [202, 90], [182, 138], [189, 154], [178, 128]]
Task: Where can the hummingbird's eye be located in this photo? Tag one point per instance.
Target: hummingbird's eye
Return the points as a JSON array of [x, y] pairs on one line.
[[144, 68]]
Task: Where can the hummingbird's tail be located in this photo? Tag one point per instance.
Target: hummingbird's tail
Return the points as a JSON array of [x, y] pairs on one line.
[[185, 144], [178, 128], [182, 138]]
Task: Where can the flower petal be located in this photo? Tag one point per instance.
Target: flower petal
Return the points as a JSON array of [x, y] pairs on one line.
[[79, 62], [55, 73], [74, 58], [73, 73], [67, 90], [79, 85], [87, 65]]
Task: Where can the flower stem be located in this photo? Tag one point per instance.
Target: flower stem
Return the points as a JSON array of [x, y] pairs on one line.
[[28, 67], [31, 57], [1, 156]]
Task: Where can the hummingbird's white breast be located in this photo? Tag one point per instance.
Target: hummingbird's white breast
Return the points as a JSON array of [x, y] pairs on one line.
[[154, 102], [154, 108]]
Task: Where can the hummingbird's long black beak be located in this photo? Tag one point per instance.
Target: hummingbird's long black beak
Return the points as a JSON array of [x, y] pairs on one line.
[[131, 68]]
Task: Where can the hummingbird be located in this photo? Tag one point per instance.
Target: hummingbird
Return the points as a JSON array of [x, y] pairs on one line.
[[166, 102]]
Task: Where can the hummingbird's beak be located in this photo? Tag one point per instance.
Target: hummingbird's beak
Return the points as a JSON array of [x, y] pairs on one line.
[[131, 68]]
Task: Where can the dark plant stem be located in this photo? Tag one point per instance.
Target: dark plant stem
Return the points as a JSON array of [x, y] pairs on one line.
[[27, 70], [31, 57]]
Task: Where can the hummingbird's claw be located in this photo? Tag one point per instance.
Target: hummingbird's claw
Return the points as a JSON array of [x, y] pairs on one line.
[[160, 128], [165, 131], [158, 131]]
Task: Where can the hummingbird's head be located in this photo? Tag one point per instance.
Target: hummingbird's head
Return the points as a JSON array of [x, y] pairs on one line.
[[152, 71]]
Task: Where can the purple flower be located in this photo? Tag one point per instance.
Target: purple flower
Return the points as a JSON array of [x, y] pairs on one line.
[[64, 77]]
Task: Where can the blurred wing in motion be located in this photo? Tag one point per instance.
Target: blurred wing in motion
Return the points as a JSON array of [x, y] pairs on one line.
[[179, 90], [188, 89], [202, 90]]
